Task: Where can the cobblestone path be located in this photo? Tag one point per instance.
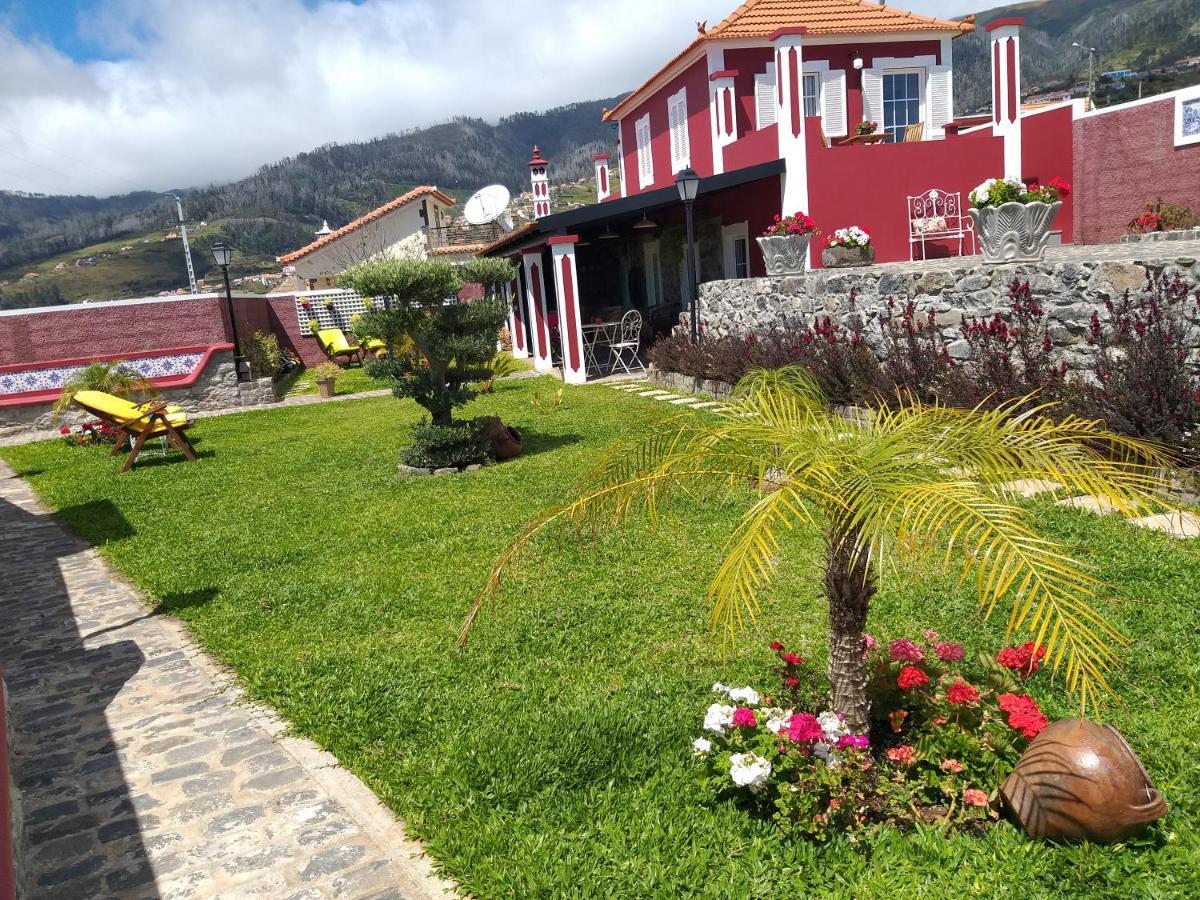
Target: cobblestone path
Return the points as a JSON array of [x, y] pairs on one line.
[[141, 771]]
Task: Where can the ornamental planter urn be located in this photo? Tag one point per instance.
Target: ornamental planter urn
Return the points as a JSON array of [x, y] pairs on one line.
[[1079, 781], [846, 257], [785, 254], [1014, 232]]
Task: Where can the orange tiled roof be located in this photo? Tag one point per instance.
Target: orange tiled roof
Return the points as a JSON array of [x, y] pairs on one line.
[[759, 19], [392, 205], [456, 249], [512, 237]]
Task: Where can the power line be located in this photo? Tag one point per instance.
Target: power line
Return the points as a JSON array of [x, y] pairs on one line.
[[108, 173], [30, 162]]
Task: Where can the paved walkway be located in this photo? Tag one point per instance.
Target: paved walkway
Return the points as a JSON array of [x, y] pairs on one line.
[[141, 770]]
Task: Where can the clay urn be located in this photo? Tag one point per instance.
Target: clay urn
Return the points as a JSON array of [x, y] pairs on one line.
[[1080, 781], [506, 441]]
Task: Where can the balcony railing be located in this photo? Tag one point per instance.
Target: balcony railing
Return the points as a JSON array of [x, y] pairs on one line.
[[462, 235]]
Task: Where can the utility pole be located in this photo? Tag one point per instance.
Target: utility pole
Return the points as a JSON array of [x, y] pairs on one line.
[[187, 251], [1091, 73]]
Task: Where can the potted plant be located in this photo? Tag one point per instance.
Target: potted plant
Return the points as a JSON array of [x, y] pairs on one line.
[[1013, 220], [866, 126], [313, 326], [848, 247], [326, 376], [785, 244]]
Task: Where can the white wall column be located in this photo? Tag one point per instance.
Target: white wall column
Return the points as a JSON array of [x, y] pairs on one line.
[[570, 318], [789, 100], [516, 320], [603, 185], [539, 184], [1006, 89], [535, 302]]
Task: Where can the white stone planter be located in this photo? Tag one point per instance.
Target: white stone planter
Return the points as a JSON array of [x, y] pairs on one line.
[[1014, 232], [786, 254]]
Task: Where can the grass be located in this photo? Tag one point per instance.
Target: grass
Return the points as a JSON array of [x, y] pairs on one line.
[[552, 756], [353, 380]]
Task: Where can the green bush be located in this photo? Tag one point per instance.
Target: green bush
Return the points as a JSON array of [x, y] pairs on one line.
[[448, 446], [263, 354]]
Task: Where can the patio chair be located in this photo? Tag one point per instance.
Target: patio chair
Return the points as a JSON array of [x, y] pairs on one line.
[[334, 342], [938, 215], [914, 133], [627, 342], [138, 423]]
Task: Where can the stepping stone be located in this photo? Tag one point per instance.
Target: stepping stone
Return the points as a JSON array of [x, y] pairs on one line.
[[706, 405], [657, 394], [671, 397], [1177, 523], [682, 400], [1101, 506], [1030, 487]]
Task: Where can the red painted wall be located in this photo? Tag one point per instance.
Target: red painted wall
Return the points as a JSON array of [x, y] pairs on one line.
[[1045, 154], [695, 79], [1124, 159], [868, 185], [748, 61], [755, 204], [752, 148], [839, 57]]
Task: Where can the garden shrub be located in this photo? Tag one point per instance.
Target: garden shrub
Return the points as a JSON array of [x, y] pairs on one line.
[[448, 446], [914, 358], [1159, 216], [264, 355]]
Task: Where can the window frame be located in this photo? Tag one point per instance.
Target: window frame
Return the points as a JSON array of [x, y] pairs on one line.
[[730, 235], [921, 75]]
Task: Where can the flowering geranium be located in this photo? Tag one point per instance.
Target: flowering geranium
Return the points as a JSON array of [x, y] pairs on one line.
[[975, 797], [1024, 660], [749, 770], [804, 728], [93, 432], [866, 126], [904, 650], [787, 226], [1024, 714], [949, 766], [912, 677], [960, 693], [743, 717], [947, 651], [851, 237], [995, 191], [904, 755]]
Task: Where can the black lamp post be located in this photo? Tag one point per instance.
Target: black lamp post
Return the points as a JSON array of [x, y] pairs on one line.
[[688, 184], [223, 256]]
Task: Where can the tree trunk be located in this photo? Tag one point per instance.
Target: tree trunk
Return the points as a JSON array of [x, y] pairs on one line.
[[849, 587]]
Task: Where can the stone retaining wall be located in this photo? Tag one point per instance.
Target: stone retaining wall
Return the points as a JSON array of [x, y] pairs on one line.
[[1068, 291], [216, 388]]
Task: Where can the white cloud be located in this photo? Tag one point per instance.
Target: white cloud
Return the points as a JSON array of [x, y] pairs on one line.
[[209, 91]]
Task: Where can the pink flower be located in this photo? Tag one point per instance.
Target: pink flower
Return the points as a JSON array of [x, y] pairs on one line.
[[869, 644], [904, 650], [853, 742], [743, 717], [804, 728], [948, 652], [930, 636], [904, 754], [897, 717], [953, 766], [975, 797]]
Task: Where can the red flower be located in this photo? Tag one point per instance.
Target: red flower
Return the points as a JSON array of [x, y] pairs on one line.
[[776, 646], [1024, 715], [948, 652], [791, 681], [792, 659], [897, 717], [64, 430], [961, 693], [1064, 189], [912, 677], [1025, 659], [743, 717]]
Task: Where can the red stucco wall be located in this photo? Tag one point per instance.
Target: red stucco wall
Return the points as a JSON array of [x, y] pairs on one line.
[[1046, 153], [1124, 159]]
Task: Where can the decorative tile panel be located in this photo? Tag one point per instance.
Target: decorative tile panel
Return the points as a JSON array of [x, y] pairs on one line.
[[53, 378]]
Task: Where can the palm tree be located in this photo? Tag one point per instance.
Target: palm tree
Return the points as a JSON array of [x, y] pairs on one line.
[[879, 486], [117, 378]]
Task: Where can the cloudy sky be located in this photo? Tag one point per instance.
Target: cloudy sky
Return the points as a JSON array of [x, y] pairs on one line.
[[108, 96]]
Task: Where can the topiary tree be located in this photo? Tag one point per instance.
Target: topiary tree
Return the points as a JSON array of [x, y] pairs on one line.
[[455, 340]]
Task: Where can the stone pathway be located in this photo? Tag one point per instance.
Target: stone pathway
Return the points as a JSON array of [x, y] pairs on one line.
[[1177, 523], [141, 770]]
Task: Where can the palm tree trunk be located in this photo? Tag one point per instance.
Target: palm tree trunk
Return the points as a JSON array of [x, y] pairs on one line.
[[849, 587]]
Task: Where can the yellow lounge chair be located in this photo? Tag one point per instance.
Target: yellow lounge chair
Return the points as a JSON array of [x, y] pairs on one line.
[[333, 341], [138, 423]]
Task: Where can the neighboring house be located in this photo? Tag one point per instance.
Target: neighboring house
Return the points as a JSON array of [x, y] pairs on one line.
[[412, 225]]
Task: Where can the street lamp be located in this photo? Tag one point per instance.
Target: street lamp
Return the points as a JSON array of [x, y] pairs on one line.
[[223, 256], [1091, 71], [688, 184]]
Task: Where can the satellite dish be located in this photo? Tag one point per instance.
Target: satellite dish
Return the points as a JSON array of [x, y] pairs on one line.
[[487, 205]]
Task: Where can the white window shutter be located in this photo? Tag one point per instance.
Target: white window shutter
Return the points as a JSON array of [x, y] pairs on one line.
[[644, 151], [833, 91], [764, 97], [941, 97], [678, 126], [872, 90]]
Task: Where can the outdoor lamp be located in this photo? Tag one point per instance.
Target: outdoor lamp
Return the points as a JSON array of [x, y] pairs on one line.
[[856, 61], [223, 256], [688, 183]]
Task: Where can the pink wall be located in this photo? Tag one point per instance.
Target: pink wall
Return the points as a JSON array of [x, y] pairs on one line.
[[1124, 159], [695, 79], [868, 185], [1045, 154]]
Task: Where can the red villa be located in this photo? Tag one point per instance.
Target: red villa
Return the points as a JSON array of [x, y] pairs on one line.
[[763, 107]]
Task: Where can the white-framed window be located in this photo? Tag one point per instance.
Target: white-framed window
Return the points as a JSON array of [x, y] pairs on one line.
[[812, 94], [677, 122], [764, 97], [652, 254], [903, 100], [641, 132], [1187, 117], [736, 239]]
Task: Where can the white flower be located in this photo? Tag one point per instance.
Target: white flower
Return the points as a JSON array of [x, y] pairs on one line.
[[718, 718], [831, 724], [719, 688], [777, 719], [700, 746], [980, 194], [747, 696], [749, 770]]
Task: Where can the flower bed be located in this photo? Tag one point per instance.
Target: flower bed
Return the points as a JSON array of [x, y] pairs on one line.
[[945, 733]]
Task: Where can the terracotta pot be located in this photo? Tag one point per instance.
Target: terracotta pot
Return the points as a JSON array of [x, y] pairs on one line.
[[325, 387], [506, 441], [1080, 781]]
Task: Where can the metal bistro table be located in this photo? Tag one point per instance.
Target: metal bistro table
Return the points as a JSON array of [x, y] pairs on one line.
[[598, 336]]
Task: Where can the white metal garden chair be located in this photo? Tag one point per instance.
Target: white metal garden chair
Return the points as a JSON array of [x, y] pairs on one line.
[[938, 215], [626, 343]]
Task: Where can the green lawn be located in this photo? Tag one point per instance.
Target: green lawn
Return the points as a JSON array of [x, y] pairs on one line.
[[353, 380], [552, 757]]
